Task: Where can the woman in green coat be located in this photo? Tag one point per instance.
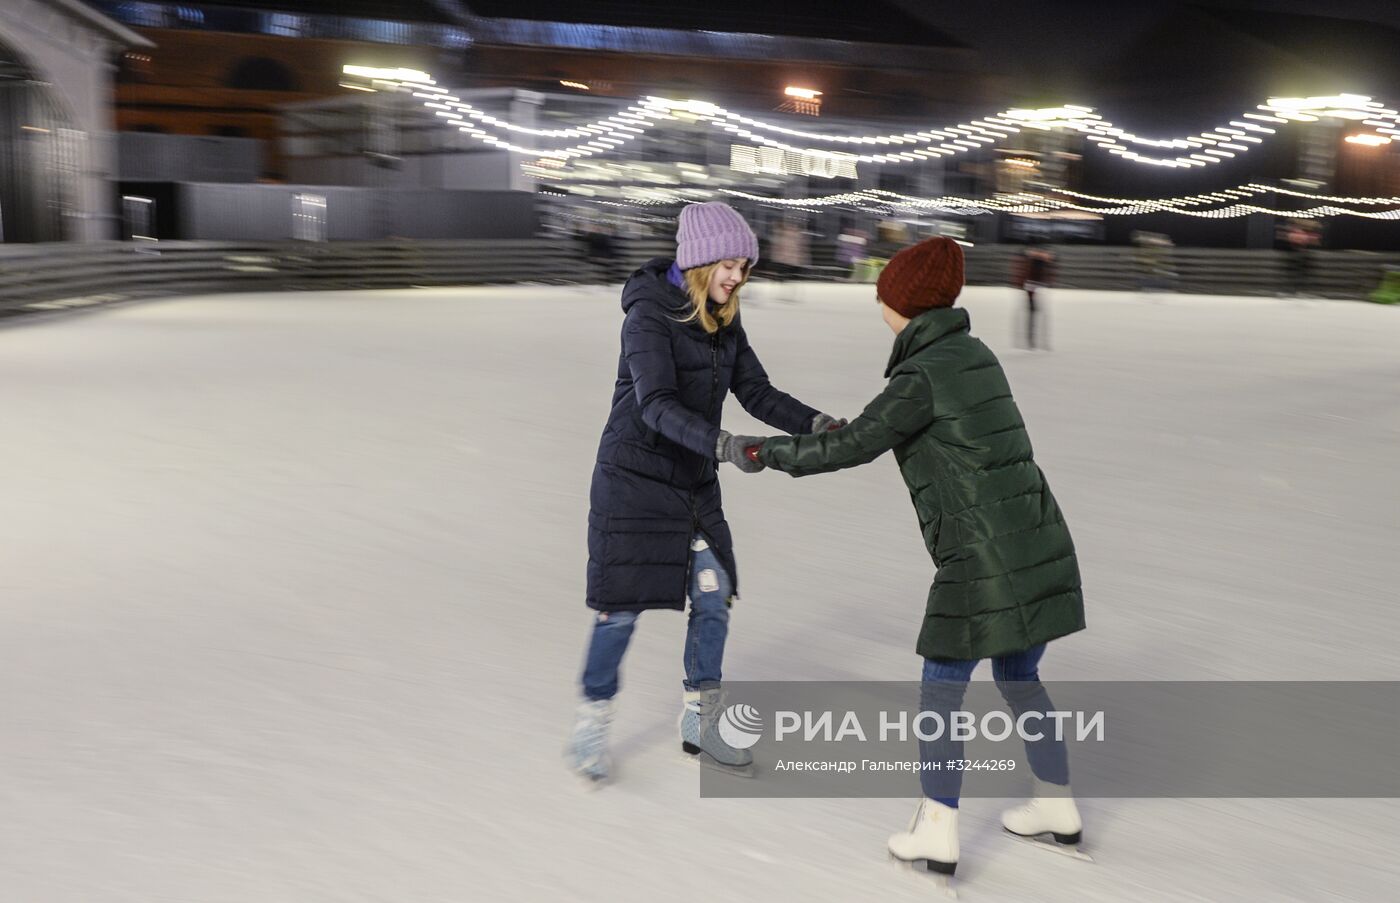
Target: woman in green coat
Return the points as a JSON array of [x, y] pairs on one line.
[[1007, 580]]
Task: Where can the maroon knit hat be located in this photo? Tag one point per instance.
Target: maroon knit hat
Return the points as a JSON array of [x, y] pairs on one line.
[[922, 277]]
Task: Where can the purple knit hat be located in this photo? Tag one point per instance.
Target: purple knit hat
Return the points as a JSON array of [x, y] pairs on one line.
[[712, 232]]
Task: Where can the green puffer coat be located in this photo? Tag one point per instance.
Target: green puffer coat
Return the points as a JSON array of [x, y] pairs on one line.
[[1007, 578]]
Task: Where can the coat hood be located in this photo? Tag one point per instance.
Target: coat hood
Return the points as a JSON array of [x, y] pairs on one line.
[[649, 281], [925, 329]]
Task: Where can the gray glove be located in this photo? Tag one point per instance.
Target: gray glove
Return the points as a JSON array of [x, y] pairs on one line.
[[825, 422], [741, 451]]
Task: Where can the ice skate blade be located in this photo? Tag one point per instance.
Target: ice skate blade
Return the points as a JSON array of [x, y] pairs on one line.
[[928, 870], [1046, 842], [592, 783], [705, 760], [591, 780]]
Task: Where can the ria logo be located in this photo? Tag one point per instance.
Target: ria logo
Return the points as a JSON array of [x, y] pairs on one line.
[[740, 725]]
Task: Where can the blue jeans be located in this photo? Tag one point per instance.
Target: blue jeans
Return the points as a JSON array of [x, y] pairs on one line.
[[1018, 679], [710, 591]]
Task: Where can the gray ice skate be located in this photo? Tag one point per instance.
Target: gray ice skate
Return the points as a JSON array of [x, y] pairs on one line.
[[588, 745], [701, 739]]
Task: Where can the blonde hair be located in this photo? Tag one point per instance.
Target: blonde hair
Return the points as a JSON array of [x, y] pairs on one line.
[[697, 284]]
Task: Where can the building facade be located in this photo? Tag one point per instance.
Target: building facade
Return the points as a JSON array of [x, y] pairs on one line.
[[57, 154]]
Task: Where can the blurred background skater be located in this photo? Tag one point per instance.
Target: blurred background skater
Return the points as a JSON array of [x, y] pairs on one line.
[[1153, 260], [850, 248], [791, 251], [602, 252], [1035, 270], [1300, 238], [889, 238], [656, 529]]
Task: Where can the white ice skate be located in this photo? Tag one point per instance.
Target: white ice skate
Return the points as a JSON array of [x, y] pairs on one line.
[[700, 736], [588, 745], [932, 838], [1049, 820]]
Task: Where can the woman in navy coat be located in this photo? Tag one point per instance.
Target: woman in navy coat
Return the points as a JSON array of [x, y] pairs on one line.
[[656, 529]]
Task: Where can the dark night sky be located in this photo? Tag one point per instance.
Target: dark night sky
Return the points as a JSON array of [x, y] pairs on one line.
[[1061, 42], [1159, 66]]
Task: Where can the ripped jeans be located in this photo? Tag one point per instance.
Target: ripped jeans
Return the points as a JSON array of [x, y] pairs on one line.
[[704, 637]]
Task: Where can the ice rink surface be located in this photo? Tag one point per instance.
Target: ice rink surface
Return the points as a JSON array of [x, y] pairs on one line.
[[291, 595]]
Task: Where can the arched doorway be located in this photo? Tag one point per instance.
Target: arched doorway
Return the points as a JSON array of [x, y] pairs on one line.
[[40, 155]]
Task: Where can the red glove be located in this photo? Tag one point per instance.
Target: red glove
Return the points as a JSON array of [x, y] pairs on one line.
[[741, 451]]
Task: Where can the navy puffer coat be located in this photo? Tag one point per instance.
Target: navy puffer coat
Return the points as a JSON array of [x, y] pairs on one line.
[[654, 484]]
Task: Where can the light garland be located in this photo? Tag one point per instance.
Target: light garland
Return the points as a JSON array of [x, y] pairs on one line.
[[1025, 202], [605, 135], [1323, 197], [609, 133], [1021, 202]]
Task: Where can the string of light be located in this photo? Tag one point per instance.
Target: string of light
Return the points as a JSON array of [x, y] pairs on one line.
[[609, 133], [1022, 202], [604, 136], [1025, 202]]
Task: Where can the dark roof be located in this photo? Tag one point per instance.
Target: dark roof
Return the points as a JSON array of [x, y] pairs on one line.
[[394, 10], [872, 21], [430, 23]]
